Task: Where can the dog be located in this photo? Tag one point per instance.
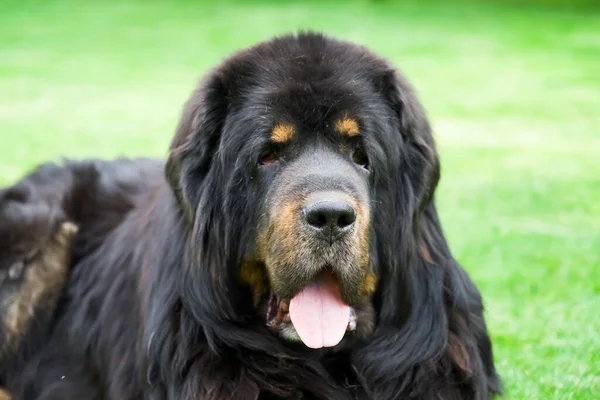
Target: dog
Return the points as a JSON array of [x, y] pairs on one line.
[[290, 247]]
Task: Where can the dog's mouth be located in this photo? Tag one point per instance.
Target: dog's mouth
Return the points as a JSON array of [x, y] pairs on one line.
[[278, 314], [317, 315]]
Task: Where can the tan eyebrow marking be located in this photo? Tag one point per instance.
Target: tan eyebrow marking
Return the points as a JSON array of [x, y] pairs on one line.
[[347, 126], [282, 132]]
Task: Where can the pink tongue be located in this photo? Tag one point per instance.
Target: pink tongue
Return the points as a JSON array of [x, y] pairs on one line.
[[319, 315]]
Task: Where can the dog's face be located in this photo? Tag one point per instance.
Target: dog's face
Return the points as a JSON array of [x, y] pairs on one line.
[[310, 266], [314, 227], [303, 136]]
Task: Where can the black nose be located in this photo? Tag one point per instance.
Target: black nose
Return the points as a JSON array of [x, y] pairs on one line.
[[331, 217]]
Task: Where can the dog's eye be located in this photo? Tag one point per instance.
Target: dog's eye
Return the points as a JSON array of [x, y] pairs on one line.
[[268, 156], [360, 158]]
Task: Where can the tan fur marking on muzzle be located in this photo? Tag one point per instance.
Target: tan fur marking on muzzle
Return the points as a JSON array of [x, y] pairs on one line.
[[363, 221], [253, 275], [370, 284], [286, 228]]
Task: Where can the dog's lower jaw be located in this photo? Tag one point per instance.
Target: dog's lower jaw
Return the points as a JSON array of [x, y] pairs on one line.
[[288, 332]]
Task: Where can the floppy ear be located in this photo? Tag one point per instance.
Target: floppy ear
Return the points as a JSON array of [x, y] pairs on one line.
[[413, 161], [422, 303], [195, 142], [419, 157], [413, 326]]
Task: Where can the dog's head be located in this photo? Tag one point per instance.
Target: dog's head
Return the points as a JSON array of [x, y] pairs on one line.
[[301, 165]]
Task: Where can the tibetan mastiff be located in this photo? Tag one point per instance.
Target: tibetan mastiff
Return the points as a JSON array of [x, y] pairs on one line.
[[289, 248]]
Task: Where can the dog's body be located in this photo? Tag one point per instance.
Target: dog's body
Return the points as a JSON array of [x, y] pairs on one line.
[[303, 168], [35, 244]]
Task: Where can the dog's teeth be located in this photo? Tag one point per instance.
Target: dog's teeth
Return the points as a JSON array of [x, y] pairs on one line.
[[352, 320], [273, 311], [15, 270]]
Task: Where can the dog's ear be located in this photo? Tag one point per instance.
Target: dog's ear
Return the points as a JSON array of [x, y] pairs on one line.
[[417, 173], [420, 168], [419, 160], [196, 140], [414, 318], [413, 161], [409, 298]]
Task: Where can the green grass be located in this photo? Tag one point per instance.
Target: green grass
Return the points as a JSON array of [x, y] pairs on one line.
[[513, 93]]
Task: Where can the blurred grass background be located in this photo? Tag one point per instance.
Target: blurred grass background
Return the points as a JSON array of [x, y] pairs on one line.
[[513, 92]]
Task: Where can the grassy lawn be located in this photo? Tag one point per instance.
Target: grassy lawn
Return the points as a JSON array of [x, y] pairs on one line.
[[513, 94]]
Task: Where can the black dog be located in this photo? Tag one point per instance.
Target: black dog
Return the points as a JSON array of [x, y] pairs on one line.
[[293, 251]]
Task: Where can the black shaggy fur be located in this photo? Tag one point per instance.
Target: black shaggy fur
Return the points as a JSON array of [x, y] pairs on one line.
[[35, 243], [153, 308], [33, 214]]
